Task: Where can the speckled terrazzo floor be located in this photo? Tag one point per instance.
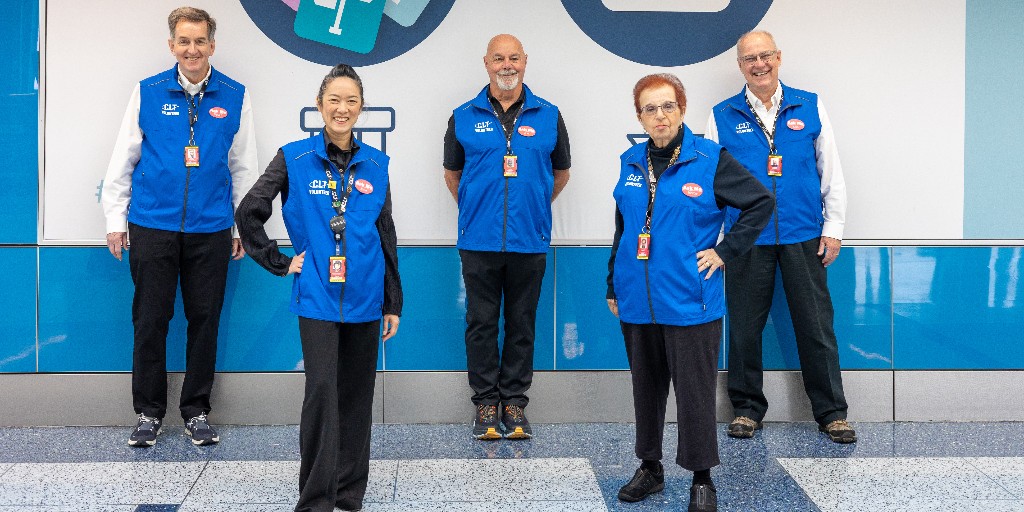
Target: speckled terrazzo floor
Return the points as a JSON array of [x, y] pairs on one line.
[[565, 468]]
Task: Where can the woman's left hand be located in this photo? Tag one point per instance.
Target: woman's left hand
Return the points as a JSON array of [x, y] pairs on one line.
[[708, 260], [390, 326]]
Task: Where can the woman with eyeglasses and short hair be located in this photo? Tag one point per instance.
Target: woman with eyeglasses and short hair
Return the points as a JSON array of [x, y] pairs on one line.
[[662, 281]]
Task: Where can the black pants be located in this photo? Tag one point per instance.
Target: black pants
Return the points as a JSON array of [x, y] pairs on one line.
[[488, 277], [334, 436], [749, 285], [686, 357], [158, 259]]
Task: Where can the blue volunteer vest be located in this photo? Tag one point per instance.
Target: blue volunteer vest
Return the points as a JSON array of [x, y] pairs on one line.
[[667, 288], [307, 215], [798, 213], [166, 194], [498, 213]]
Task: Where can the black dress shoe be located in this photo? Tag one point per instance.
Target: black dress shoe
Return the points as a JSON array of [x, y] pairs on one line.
[[703, 498], [644, 483]]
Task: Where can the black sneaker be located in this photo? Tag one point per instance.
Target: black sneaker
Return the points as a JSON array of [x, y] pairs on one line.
[[703, 498], [200, 431], [644, 483], [515, 424], [485, 422], [146, 430]]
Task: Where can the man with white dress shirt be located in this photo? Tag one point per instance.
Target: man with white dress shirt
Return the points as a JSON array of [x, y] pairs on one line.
[[184, 157], [784, 137]]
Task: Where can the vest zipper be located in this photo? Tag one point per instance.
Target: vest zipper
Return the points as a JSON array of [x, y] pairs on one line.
[[776, 212], [184, 206]]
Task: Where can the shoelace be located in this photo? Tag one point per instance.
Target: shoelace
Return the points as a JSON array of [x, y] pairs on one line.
[[197, 420], [486, 412], [514, 411], [146, 423]]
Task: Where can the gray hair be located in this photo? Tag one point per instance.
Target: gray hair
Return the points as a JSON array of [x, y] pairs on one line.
[[753, 33], [191, 14]]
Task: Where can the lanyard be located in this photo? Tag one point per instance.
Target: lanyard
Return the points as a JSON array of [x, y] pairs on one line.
[[769, 136], [339, 204], [652, 183], [508, 133], [193, 109]]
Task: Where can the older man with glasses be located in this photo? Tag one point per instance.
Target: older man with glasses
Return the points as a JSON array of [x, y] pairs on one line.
[[784, 136]]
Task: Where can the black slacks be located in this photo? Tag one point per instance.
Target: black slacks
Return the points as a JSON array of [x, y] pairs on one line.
[[505, 375], [749, 285], [687, 358], [334, 433], [158, 259]]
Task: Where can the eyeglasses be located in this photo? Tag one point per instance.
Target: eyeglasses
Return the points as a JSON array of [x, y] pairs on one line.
[[650, 110], [765, 57]]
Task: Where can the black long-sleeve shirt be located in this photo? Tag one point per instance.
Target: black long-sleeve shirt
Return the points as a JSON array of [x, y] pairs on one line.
[[256, 207], [734, 186]]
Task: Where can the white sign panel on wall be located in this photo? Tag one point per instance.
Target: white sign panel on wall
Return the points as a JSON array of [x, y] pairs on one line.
[[419, 59]]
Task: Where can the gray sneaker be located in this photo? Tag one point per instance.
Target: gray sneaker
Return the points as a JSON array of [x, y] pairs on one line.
[[146, 430], [200, 431]]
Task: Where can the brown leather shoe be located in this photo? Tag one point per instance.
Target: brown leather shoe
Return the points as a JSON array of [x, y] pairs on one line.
[[743, 427], [839, 431]]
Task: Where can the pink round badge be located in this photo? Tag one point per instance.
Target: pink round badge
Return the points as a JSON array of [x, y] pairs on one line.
[[795, 124], [364, 186], [218, 112], [692, 190], [527, 131]]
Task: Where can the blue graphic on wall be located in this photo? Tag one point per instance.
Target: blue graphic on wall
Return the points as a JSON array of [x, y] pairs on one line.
[[666, 32], [356, 32]]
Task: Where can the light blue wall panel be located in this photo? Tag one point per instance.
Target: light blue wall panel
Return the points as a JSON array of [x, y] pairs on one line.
[[19, 100], [993, 155], [958, 308], [587, 335], [85, 317], [432, 332], [18, 307], [861, 294]]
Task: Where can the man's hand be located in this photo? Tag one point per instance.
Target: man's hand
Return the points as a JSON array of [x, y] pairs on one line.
[[117, 242], [237, 251], [296, 265], [708, 260], [828, 248], [613, 306], [390, 326]]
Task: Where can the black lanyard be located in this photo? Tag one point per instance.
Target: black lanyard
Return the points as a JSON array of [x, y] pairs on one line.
[[652, 183], [508, 133], [775, 122], [193, 108], [339, 204]]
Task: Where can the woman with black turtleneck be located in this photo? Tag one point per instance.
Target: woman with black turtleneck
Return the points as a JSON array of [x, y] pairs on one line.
[[662, 281]]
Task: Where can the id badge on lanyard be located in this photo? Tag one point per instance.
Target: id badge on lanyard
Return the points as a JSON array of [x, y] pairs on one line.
[[774, 165]]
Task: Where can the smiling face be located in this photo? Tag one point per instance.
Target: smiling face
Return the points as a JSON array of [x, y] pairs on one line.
[[762, 77], [505, 62], [661, 126], [192, 46], [340, 107]]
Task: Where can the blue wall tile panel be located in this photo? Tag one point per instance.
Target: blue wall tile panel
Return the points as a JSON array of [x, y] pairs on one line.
[[19, 102], [587, 335], [85, 321], [431, 335], [958, 308], [861, 295], [18, 307]]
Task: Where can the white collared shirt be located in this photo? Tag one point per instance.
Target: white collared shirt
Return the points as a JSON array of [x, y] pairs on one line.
[[117, 185], [830, 171]]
